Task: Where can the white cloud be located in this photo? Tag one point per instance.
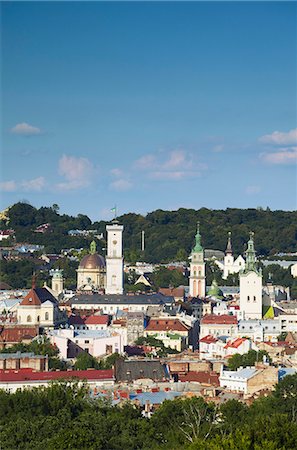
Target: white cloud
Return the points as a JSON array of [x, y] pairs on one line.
[[121, 185], [280, 138], [145, 162], [77, 172], [287, 155], [252, 190], [218, 148], [36, 184], [175, 165], [24, 129], [177, 158], [116, 172], [8, 186], [173, 175]]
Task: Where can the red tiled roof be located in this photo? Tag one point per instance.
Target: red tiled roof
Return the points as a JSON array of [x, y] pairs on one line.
[[235, 344], [166, 325], [175, 292], [31, 299], [97, 320], [17, 334], [220, 320], [29, 375], [201, 377], [209, 339]]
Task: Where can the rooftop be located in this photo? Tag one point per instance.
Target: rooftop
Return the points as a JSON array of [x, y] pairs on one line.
[[97, 299], [220, 320], [30, 375], [166, 325]]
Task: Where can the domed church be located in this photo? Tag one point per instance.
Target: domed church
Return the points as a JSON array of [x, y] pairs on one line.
[[91, 273]]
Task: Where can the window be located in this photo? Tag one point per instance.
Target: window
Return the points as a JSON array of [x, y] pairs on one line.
[[29, 319], [255, 298], [248, 298], [38, 318], [87, 342], [46, 316]]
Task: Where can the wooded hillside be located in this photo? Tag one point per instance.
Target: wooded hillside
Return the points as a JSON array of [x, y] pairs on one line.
[[169, 235]]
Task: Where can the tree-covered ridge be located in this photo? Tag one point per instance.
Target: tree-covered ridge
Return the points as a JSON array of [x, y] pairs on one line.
[[64, 416], [169, 235]]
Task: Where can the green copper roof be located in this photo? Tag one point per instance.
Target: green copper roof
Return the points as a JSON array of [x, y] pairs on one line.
[[250, 261], [93, 247], [198, 247], [214, 290], [268, 312]]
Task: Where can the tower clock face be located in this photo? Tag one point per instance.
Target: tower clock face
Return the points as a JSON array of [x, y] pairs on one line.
[[114, 242]]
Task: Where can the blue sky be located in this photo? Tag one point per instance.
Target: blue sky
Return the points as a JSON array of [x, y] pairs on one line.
[[149, 105]]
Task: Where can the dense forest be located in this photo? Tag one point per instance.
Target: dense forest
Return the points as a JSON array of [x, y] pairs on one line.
[[64, 416], [169, 235]]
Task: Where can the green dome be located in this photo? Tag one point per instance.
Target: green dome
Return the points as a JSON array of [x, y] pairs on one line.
[[214, 290]]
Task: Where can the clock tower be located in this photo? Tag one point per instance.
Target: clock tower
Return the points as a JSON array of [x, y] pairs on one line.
[[114, 259]]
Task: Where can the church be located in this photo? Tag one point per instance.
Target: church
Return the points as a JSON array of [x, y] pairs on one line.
[[95, 273], [230, 265]]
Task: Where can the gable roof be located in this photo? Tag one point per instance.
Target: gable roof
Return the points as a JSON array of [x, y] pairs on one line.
[[37, 296], [31, 299], [135, 369], [235, 344], [224, 319], [166, 325], [97, 320]]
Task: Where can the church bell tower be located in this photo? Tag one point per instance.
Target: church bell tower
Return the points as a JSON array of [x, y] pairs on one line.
[[197, 268]]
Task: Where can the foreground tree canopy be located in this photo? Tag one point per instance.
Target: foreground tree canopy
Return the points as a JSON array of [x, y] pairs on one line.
[[64, 416]]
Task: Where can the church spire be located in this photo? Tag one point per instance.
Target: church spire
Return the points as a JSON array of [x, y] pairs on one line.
[[93, 247], [250, 264], [198, 247], [229, 250]]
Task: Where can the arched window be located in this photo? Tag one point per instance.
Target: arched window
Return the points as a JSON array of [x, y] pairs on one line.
[[38, 318], [248, 298], [29, 319], [46, 316], [255, 298]]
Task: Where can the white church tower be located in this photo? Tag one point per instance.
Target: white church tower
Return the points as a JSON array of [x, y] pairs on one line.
[[57, 281], [250, 283], [114, 259], [229, 258], [197, 269]]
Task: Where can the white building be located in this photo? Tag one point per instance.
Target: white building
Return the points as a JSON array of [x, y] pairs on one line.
[[12, 380], [294, 270], [230, 265], [224, 325], [95, 342], [114, 259], [40, 307], [197, 269], [250, 282], [260, 330]]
